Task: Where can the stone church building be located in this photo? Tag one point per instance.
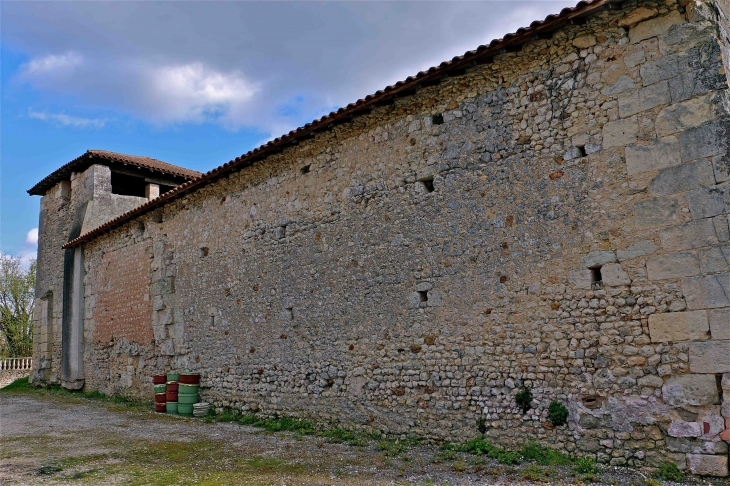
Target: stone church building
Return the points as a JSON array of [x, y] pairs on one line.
[[549, 211]]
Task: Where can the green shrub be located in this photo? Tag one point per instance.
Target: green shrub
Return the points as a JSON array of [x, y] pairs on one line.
[[523, 399], [449, 446], [668, 471], [585, 465], [557, 413]]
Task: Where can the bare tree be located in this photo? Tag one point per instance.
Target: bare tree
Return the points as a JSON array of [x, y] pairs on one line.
[[17, 291]]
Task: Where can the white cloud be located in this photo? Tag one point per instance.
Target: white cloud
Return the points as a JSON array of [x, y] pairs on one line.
[[173, 63], [32, 237], [26, 257], [52, 65], [67, 120], [193, 92]]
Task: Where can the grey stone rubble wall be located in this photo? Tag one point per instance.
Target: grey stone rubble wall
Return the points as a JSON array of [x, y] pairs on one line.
[[350, 293]]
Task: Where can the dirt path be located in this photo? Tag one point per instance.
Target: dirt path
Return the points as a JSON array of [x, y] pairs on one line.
[[49, 439]]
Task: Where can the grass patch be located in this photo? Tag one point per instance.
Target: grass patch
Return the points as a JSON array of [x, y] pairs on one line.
[[277, 424], [444, 456], [544, 456], [395, 447], [20, 384], [668, 471], [298, 426], [529, 452], [48, 470], [339, 435], [479, 446], [533, 472]]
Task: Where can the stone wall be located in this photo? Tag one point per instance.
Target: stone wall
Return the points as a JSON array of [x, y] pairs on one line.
[[557, 219], [68, 209]]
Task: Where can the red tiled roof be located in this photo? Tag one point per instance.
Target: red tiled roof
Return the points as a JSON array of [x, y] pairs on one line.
[[80, 163], [481, 54]]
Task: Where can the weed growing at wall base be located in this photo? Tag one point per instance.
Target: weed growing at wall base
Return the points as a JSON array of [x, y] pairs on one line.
[[529, 452], [668, 471]]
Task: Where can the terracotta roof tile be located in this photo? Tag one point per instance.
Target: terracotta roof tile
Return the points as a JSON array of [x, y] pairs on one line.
[[524, 34], [80, 163]]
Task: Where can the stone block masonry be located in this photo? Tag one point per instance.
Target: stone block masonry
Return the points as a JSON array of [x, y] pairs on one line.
[[555, 219]]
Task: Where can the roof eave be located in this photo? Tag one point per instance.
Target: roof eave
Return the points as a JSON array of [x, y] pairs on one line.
[[552, 23]]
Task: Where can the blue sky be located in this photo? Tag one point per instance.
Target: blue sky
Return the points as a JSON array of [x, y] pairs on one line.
[[199, 83]]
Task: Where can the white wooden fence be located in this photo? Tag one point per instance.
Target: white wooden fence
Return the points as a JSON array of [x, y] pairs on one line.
[[16, 364]]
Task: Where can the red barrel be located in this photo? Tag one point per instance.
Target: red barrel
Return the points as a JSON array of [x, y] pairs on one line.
[[190, 378], [172, 386], [161, 407], [159, 379], [171, 396], [160, 398]]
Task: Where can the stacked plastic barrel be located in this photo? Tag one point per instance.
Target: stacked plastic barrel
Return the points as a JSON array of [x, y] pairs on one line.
[[177, 393], [188, 393], [172, 390], [160, 393]]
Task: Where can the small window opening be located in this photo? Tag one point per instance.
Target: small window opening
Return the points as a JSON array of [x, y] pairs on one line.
[[437, 119], [596, 278], [428, 184], [204, 251], [125, 185], [423, 296], [592, 401], [289, 313], [581, 150], [306, 169]]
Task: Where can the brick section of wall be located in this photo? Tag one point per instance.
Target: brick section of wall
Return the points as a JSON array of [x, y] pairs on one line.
[[123, 308]]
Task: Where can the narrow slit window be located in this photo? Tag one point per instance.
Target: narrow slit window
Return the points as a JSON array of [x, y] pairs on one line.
[[306, 169], [423, 295], [437, 119], [581, 151], [596, 278]]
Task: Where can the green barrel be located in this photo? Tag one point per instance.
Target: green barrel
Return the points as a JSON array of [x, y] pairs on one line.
[[160, 388], [188, 389], [185, 409], [172, 407], [188, 399], [173, 376]]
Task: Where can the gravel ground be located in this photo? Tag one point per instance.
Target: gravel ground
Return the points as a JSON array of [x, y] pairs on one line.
[[49, 438]]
